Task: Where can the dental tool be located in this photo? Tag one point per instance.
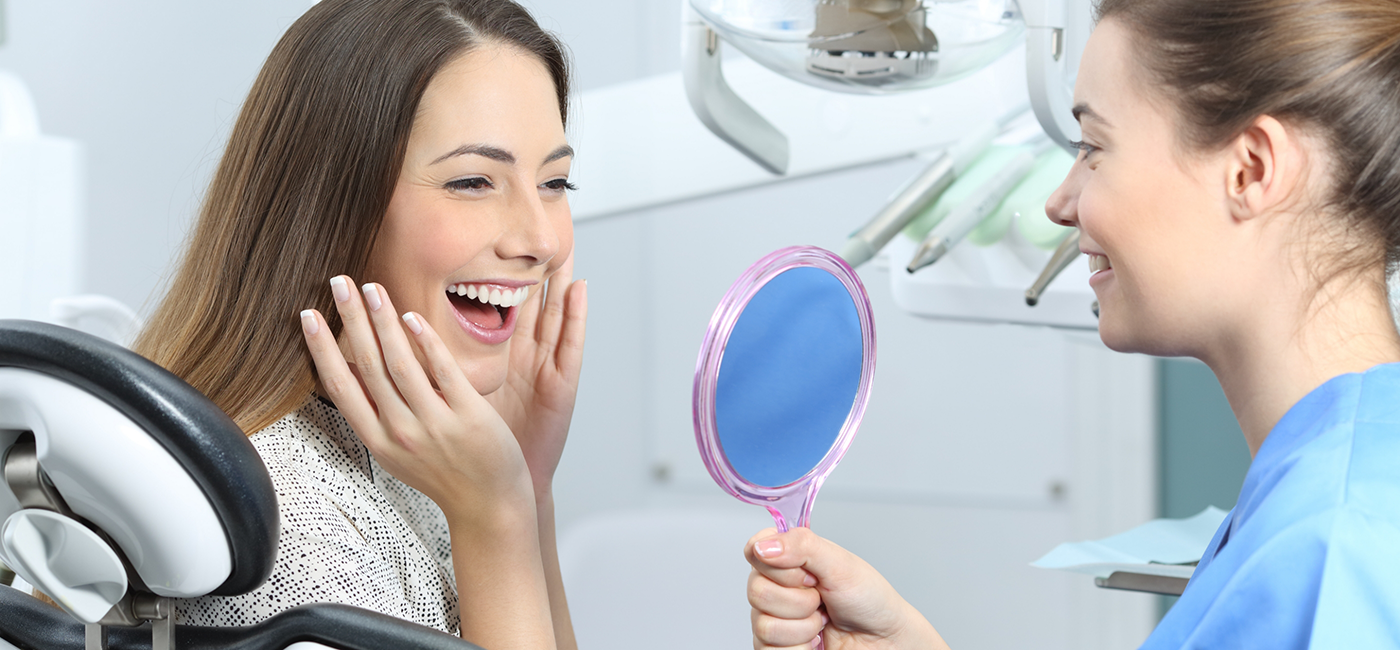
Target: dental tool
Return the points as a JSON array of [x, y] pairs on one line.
[[922, 191], [1067, 252], [979, 205]]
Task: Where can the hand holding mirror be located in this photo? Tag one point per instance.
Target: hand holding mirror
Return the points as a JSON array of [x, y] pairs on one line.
[[783, 379]]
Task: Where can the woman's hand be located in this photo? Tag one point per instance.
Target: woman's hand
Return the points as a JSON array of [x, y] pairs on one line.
[[448, 443], [546, 354], [802, 585]]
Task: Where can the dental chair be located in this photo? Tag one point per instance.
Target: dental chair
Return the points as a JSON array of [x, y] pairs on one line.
[[123, 488]]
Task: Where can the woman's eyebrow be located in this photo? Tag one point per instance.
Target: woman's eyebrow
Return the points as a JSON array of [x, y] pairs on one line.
[[564, 151], [484, 150], [501, 155]]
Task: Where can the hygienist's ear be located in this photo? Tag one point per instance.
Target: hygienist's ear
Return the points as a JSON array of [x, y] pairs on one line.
[[1263, 168]]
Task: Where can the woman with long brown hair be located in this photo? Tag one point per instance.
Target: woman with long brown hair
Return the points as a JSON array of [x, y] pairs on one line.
[[1237, 192], [411, 426]]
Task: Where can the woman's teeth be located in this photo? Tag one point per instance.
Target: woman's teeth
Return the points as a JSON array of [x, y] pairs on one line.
[[1098, 263], [491, 295]]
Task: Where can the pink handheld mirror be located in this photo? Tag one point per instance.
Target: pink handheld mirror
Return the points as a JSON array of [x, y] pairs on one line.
[[783, 379]]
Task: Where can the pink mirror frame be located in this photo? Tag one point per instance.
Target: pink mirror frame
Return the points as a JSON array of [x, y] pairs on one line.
[[791, 504]]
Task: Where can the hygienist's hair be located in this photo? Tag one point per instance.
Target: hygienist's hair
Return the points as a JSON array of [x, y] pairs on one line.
[[1331, 66], [303, 187]]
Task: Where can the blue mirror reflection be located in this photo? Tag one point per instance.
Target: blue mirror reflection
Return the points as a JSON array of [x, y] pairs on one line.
[[789, 376]]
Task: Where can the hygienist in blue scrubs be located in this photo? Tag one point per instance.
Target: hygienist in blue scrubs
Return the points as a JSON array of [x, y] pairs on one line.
[[1237, 192]]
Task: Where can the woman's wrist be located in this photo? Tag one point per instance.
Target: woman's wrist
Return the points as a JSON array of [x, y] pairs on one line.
[[503, 512]]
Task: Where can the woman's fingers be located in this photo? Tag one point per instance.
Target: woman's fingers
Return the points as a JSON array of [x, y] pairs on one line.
[[459, 393], [364, 350], [569, 356], [400, 364], [339, 382], [552, 307]]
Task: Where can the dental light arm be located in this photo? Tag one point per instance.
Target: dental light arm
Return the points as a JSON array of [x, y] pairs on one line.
[[714, 102], [1047, 68]]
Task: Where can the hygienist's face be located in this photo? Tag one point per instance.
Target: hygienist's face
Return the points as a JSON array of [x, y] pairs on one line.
[[480, 203], [1149, 214]]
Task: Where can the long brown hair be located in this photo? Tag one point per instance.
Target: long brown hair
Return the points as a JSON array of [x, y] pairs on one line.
[[1332, 66], [303, 186]]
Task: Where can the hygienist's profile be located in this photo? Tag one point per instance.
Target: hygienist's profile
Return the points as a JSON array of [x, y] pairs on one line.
[[1237, 191]]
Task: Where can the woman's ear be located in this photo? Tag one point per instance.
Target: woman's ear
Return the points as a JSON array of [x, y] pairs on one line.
[[1263, 169]]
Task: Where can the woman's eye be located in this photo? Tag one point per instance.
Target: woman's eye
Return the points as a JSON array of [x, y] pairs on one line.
[[474, 183], [560, 185]]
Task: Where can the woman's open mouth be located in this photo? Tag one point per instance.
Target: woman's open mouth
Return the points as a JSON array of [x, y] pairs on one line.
[[486, 311]]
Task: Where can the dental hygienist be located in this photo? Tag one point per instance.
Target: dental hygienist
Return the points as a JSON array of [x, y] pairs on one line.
[[1237, 191], [411, 424]]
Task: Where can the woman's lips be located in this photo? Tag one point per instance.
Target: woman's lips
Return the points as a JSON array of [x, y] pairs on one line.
[[490, 324]]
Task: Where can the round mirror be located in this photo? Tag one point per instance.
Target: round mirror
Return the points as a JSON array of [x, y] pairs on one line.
[[783, 378]]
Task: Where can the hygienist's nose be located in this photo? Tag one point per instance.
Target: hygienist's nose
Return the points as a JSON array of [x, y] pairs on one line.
[[1063, 205]]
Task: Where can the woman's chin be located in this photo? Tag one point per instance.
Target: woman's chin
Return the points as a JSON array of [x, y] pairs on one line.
[[486, 375]]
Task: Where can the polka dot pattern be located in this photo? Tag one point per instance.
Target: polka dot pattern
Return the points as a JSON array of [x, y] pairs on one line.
[[351, 533]]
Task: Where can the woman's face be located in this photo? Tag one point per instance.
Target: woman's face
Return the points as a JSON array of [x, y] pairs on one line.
[[1153, 220], [480, 205]]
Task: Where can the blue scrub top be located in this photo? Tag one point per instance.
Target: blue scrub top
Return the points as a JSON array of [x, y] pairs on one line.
[[1310, 556]]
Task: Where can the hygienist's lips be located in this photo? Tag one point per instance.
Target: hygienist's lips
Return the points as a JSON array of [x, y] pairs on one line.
[[489, 336], [1100, 269]]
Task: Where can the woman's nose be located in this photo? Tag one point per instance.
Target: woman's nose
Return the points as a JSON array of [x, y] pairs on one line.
[[1063, 205], [530, 233]]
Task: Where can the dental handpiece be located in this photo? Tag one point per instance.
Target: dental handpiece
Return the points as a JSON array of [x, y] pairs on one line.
[[1067, 252], [972, 212], [917, 195]]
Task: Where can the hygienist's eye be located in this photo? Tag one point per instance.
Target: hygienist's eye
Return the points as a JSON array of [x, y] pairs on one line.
[[1084, 147], [475, 183]]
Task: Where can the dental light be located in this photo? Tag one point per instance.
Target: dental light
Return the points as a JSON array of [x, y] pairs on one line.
[[869, 47], [883, 47]]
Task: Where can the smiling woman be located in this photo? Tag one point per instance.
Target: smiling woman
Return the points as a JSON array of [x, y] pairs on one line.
[[411, 428]]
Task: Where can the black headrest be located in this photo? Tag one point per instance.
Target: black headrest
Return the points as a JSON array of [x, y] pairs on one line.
[[215, 452]]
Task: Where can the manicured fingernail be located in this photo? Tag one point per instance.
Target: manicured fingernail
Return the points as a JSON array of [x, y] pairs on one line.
[[412, 320], [372, 297], [339, 289], [308, 322], [768, 548], [825, 619], [817, 641], [811, 581]]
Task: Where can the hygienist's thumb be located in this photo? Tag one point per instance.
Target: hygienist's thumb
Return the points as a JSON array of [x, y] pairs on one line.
[[787, 558]]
